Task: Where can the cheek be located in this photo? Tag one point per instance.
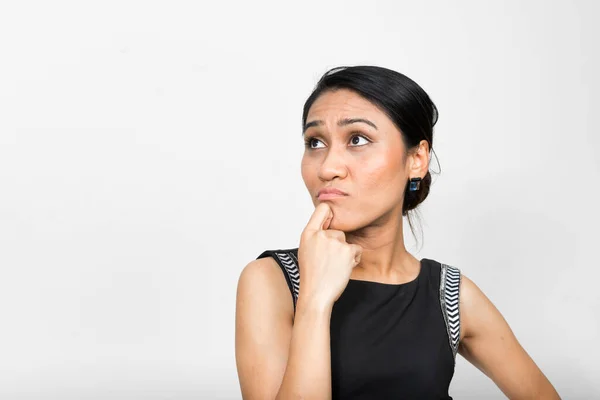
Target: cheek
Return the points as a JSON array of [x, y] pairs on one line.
[[383, 177], [308, 172], [304, 168]]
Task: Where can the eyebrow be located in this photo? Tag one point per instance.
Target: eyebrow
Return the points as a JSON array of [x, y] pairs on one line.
[[341, 122]]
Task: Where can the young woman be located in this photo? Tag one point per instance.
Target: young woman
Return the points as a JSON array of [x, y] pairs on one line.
[[350, 314]]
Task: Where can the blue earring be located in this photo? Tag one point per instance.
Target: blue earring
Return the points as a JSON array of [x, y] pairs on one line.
[[415, 184]]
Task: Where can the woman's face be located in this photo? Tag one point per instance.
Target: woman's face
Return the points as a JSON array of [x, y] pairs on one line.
[[360, 159]]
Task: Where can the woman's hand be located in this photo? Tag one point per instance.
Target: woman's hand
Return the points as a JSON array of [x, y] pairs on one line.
[[326, 260]]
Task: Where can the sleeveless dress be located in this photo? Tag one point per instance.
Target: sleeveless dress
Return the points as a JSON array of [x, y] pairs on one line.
[[390, 341]]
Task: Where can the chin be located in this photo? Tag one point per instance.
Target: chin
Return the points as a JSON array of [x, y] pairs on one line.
[[345, 218], [343, 224]]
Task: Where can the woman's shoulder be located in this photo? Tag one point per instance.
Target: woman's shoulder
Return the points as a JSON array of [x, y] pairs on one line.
[[264, 267], [275, 252], [439, 270], [287, 262], [268, 264], [262, 278]]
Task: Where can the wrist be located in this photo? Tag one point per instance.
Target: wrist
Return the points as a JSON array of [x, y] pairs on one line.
[[314, 304]]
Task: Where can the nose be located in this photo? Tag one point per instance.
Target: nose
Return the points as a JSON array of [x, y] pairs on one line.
[[333, 166]]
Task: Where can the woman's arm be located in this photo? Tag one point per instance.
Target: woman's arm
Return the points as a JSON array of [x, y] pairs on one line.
[[277, 358], [491, 346]]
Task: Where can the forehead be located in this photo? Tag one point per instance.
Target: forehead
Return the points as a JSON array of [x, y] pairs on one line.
[[342, 103]]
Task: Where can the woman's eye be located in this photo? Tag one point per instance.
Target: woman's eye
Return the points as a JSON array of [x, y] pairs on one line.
[[355, 142], [308, 142]]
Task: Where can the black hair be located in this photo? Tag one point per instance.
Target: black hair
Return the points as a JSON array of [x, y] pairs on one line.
[[402, 99]]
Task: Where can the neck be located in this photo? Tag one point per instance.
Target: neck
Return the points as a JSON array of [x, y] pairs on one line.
[[384, 256]]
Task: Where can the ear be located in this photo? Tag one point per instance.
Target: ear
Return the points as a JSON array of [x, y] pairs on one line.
[[419, 160]]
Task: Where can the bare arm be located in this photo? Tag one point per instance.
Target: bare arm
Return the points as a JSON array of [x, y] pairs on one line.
[[277, 358], [491, 346]]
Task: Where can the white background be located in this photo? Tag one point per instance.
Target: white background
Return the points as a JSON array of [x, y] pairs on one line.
[[150, 150]]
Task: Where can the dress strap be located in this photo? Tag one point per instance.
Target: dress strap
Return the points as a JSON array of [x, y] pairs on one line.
[[288, 262], [449, 299]]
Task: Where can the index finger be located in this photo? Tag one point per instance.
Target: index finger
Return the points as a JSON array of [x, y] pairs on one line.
[[320, 218]]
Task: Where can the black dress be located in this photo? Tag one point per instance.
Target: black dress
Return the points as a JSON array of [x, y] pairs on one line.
[[390, 341]]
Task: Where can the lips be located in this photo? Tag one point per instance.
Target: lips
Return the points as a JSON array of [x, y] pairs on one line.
[[331, 191]]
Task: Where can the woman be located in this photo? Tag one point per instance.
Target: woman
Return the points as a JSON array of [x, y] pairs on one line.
[[369, 320]]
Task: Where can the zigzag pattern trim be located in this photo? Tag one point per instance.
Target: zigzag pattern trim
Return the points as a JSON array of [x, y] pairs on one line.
[[292, 270], [449, 300]]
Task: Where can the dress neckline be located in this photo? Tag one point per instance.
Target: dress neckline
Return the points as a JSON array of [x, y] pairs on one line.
[[384, 284]]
